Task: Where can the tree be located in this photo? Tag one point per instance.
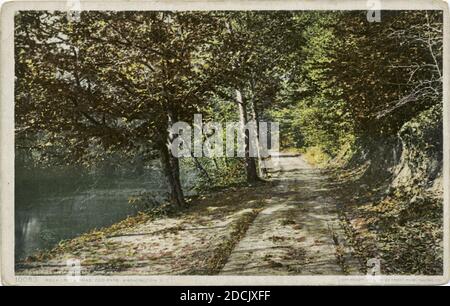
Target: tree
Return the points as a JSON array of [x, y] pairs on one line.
[[254, 51], [393, 70], [119, 79]]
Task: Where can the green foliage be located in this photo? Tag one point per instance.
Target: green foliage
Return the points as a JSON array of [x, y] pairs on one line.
[[112, 79], [217, 173], [360, 80], [318, 116], [389, 71], [315, 156]]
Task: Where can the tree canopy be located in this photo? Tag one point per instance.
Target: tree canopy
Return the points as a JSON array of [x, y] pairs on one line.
[[113, 82]]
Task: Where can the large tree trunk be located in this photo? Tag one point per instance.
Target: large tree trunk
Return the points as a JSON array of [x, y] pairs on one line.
[[171, 165], [250, 165], [171, 169]]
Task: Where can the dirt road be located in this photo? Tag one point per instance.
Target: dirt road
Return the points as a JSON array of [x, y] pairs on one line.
[[298, 231]]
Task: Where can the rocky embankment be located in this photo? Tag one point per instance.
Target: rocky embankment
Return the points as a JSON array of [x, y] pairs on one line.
[[395, 212]]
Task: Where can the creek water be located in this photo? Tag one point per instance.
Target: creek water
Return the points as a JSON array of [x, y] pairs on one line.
[[44, 218]]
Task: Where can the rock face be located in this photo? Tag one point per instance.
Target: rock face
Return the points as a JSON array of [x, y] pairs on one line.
[[413, 159], [399, 207], [421, 161]]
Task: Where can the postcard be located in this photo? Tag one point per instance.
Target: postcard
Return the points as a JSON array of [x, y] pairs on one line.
[[224, 143]]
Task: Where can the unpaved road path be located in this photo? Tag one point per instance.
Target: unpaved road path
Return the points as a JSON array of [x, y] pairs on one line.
[[288, 226], [298, 231]]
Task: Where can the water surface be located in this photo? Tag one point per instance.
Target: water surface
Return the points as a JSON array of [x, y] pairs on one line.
[[43, 217]]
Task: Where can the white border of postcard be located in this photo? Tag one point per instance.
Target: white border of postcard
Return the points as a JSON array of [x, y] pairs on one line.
[[7, 11]]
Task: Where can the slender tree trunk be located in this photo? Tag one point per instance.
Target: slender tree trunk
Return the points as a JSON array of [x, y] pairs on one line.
[[216, 164], [256, 119], [250, 165], [202, 169]]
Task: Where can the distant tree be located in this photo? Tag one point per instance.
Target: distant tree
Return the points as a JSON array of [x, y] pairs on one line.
[[255, 49]]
